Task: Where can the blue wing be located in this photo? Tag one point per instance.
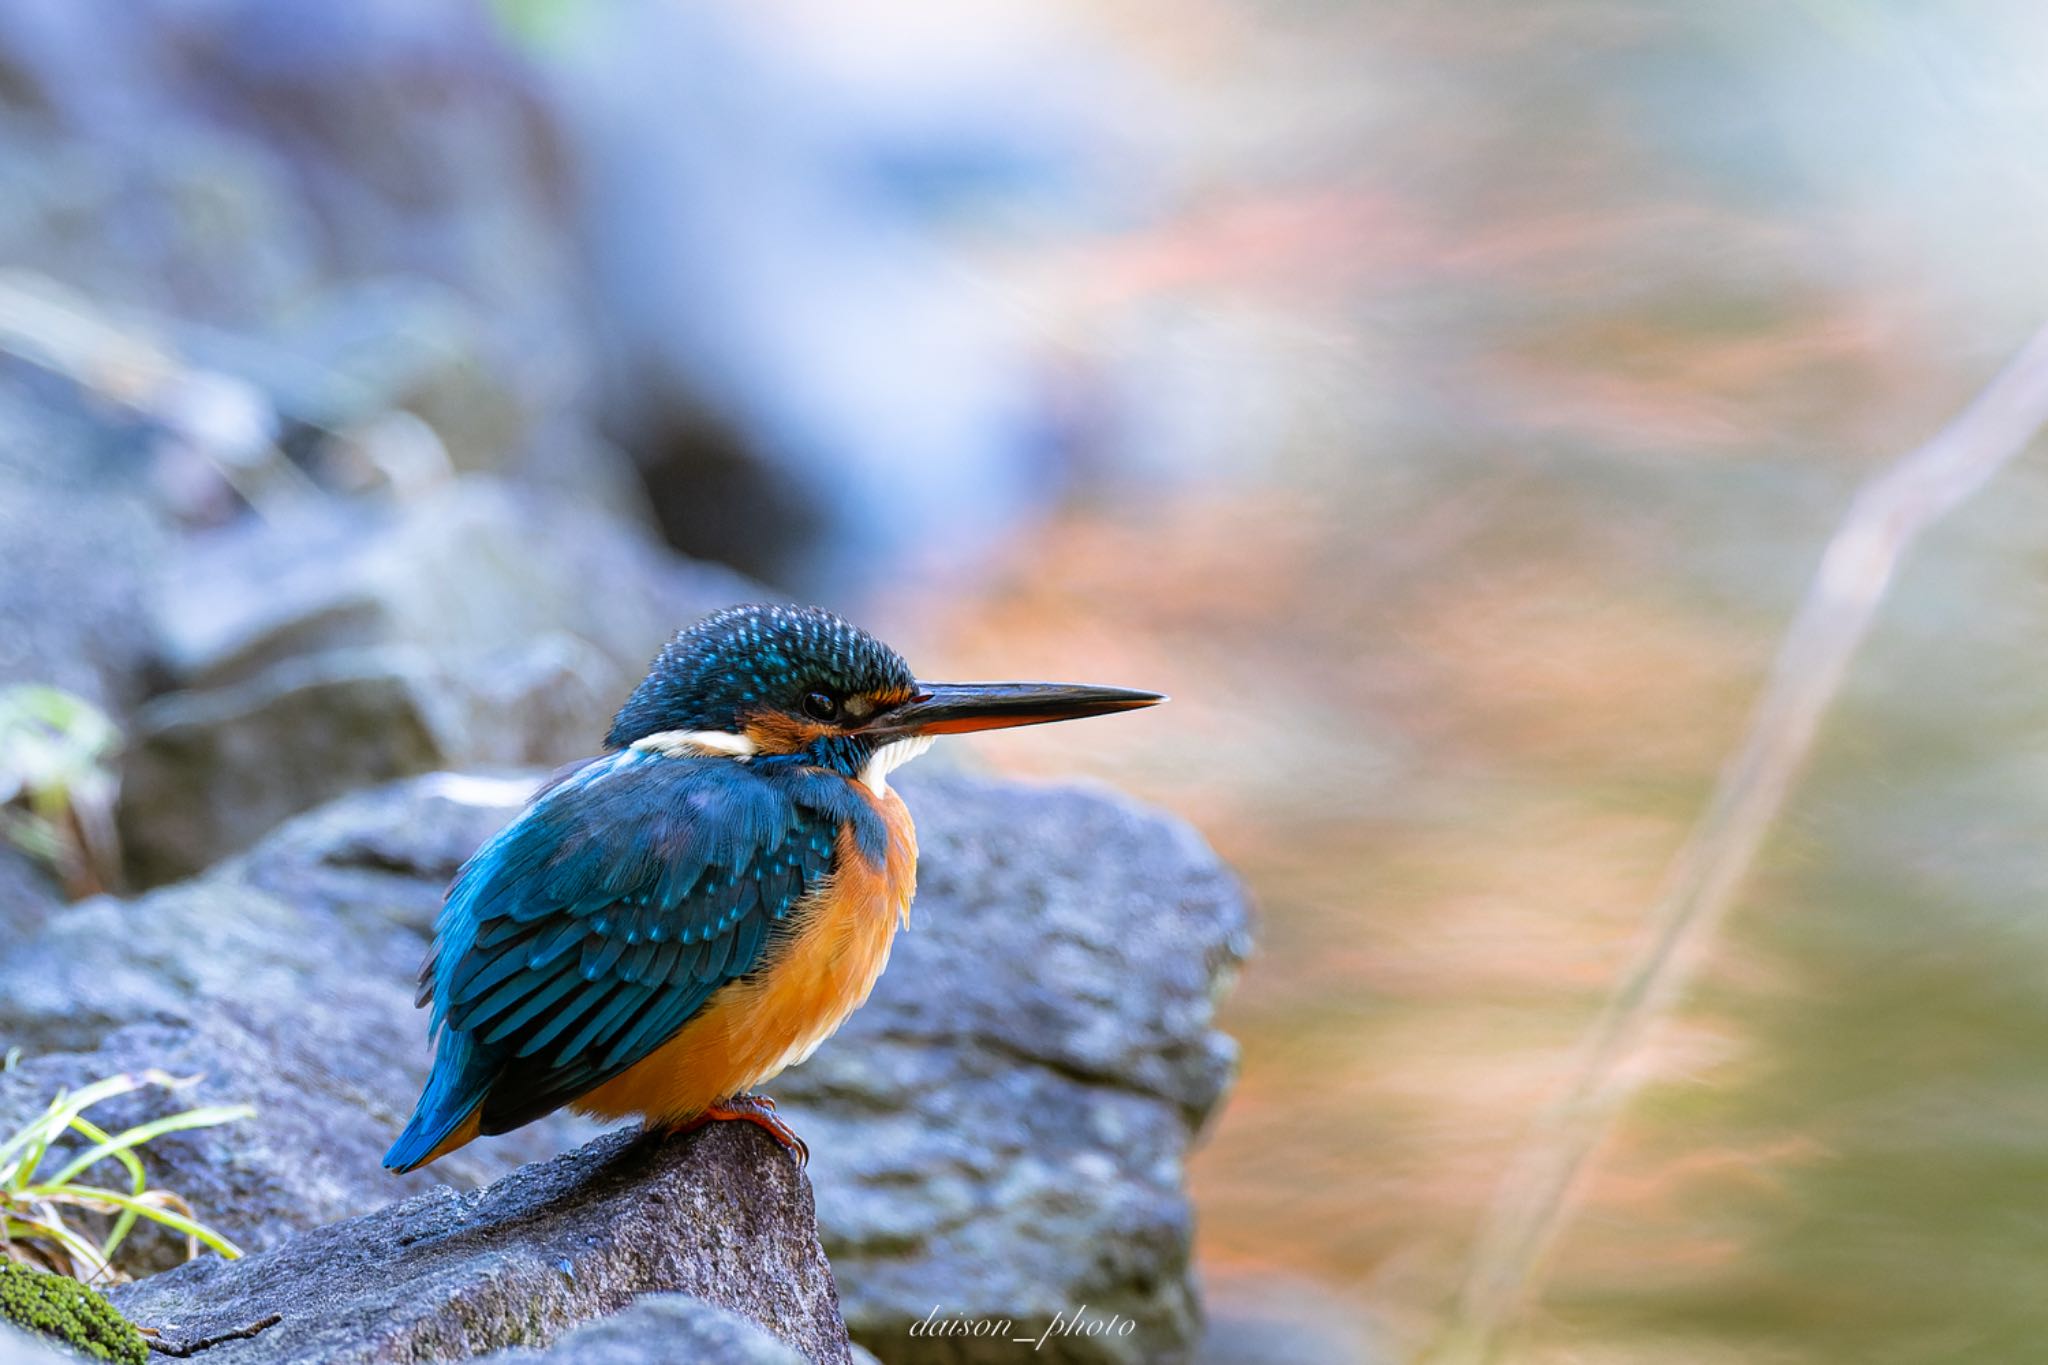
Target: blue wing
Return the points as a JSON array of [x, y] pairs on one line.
[[591, 929]]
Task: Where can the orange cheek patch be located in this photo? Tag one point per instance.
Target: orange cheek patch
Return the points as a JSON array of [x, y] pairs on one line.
[[775, 733]]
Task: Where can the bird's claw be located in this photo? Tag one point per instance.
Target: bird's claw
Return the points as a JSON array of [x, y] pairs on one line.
[[758, 1110]]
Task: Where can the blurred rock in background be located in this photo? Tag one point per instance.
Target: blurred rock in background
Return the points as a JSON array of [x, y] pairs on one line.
[[779, 218], [290, 275], [479, 623], [734, 244], [361, 198], [294, 269], [361, 370]]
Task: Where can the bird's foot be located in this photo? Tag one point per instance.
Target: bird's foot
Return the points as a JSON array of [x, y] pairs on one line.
[[758, 1110]]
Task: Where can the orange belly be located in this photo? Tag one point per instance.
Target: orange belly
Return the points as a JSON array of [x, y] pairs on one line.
[[753, 1028]]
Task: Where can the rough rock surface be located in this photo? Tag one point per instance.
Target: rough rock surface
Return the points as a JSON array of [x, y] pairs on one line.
[[281, 983], [721, 1215], [1000, 1132], [660, 1329]]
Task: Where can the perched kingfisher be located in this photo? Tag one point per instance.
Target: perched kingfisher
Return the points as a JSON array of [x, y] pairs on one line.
[[667, 926]]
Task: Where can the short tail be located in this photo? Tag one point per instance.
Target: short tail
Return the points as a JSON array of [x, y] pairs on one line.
[[450, 1110]]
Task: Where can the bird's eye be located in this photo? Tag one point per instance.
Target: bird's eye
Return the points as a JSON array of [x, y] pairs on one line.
[[821, 706]]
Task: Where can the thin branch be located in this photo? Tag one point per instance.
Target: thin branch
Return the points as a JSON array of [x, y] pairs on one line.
[[183, 1350], [1537, 1197]]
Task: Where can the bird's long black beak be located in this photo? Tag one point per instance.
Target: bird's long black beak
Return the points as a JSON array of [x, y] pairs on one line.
[[954, 708]]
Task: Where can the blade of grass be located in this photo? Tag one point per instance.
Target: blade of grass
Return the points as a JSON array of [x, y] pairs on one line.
[[143, 1132], [81, 1251], [103, 1200], [136, 1179], [40, 1132], [32, 1207], [94, 1133], [35, 1140]]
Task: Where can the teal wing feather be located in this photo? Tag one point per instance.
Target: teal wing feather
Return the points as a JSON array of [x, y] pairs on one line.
[[590, 930]]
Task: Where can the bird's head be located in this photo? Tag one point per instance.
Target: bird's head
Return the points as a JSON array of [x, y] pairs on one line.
[[801, 683]]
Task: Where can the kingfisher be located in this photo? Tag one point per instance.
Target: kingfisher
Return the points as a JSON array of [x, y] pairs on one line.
[[667, 926]]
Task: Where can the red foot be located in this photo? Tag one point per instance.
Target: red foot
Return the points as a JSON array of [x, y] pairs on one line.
[[758, 1110]]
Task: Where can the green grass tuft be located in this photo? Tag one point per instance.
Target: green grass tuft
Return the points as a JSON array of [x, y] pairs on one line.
[[57, 784], [39, 1208]]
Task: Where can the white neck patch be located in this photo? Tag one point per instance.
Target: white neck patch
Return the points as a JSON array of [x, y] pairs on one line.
[[890, 757], [697, 744]]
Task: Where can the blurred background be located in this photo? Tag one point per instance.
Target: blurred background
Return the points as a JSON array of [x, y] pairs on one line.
[[1446, 403]]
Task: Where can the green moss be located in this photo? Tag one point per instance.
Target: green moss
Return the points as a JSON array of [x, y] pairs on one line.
[[60, 1307]]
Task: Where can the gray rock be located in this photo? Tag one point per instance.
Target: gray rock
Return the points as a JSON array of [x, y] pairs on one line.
[[105, 963], [77, 539], [468, 569], [478, 625], [283, 980], [208, 772], [721, 1215], [661, 1329], [1000, 1132], [339, 901], [386, 856], [29, 893], [265, 1006], [23, 1348]]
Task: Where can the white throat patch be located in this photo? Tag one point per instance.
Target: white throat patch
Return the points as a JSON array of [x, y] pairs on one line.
[[697, 744], [890, 757]]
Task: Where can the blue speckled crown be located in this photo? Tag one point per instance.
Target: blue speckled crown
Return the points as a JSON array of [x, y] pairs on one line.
[[753, 658]]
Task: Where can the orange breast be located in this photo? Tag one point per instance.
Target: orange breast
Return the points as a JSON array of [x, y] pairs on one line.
[[752, 1029]]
